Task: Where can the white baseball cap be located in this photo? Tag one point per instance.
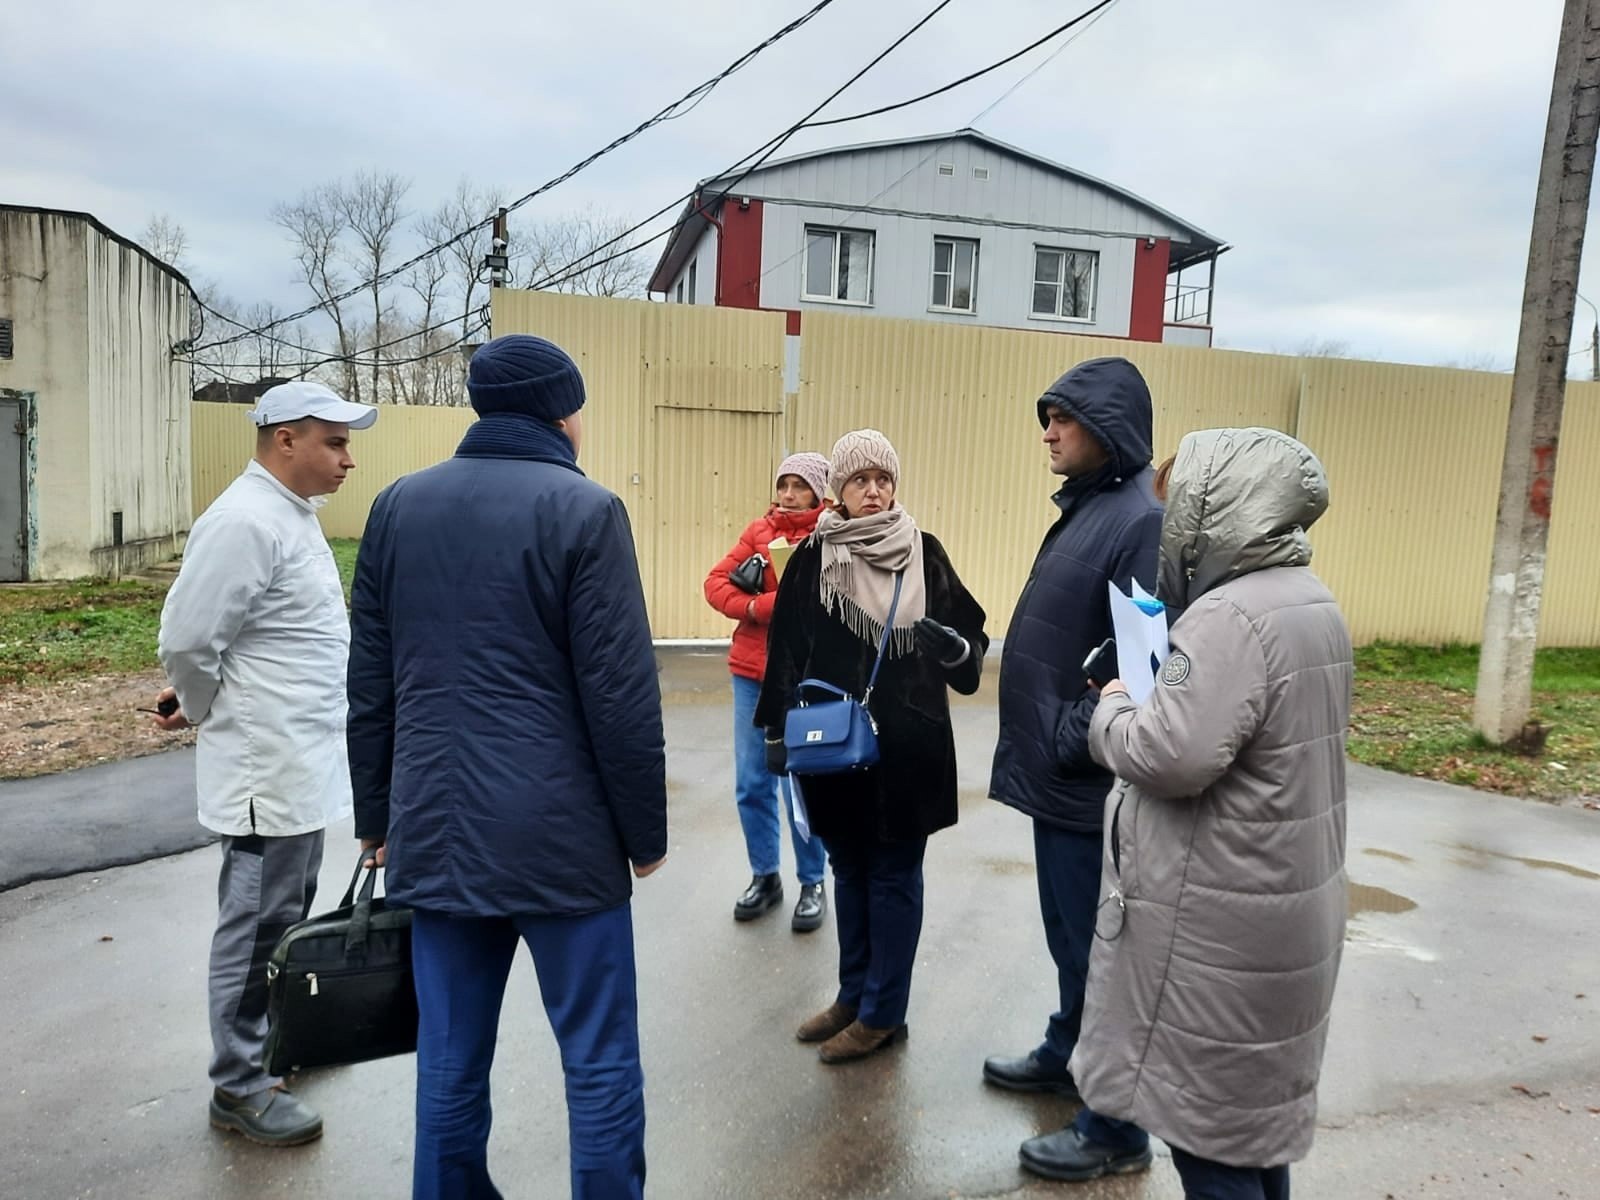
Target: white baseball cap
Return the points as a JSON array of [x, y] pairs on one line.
[[305, 398]]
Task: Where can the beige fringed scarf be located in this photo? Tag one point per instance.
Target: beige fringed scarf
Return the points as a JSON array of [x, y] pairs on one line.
[[859, 561]]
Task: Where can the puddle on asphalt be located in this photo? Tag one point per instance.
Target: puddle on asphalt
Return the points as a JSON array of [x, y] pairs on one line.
[[1367, 899], [1391, 854], [1478, 854]]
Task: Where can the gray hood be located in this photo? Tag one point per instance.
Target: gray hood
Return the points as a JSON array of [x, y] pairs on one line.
[[1238, 500]]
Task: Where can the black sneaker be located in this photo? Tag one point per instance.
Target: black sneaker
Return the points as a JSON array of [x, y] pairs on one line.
[[810, 908], [764, 892]]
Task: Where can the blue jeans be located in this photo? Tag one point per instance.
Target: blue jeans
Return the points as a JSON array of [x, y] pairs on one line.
[[586, 978], [1207, 1180], [877, 901], [756, 790]]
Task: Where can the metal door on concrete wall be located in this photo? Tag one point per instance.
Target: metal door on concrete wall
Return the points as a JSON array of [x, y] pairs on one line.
[[13, 493]]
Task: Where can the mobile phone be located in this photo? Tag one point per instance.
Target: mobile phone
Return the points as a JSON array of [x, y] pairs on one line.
[[1100, 668]]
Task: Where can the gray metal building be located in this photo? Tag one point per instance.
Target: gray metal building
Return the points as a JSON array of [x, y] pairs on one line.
[[956, 227], [94, 410]]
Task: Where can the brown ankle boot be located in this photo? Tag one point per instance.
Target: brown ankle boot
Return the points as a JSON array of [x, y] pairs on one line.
[[856, 1040], [826, 1023]]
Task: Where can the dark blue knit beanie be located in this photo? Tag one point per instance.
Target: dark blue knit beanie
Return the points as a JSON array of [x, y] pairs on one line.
[[524, 374]]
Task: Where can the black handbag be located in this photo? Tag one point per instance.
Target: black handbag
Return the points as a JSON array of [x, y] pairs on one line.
[[750, 575], [837, 735], [339, 985]]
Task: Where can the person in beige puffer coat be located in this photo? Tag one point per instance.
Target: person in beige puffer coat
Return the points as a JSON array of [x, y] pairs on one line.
[[1223, 890]]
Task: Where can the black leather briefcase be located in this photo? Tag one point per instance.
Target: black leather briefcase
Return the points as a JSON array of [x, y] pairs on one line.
[[339, 985]]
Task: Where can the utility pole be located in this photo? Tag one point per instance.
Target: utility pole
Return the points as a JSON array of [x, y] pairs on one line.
[[1538, 385], [497, 260]]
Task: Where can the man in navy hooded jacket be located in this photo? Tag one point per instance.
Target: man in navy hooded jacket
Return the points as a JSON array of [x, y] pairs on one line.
[[508, 763], [1098, 427]]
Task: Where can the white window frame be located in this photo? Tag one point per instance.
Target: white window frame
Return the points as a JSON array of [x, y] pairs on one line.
[[1060, 285], [806, 234], [934, 273]]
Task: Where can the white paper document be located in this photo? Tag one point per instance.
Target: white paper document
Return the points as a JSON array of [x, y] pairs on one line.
[[1139, 623], [802, 819]]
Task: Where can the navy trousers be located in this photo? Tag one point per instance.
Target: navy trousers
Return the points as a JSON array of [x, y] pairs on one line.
[[1068, 866], [1207, 1180], [586, 976], [877, 901]]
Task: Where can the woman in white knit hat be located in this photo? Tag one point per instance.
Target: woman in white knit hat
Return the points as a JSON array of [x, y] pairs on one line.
[[837, 595], [745, 592]]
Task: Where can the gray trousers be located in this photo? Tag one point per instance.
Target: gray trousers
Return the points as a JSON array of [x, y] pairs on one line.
[[267, 884]]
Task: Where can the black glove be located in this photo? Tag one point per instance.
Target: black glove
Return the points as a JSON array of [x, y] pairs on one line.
[[777, 757], [940, 643]]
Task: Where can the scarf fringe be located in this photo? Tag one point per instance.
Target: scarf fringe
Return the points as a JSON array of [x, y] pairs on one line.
[[902, 641]]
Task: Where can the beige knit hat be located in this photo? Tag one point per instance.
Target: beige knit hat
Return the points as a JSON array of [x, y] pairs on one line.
[[808, 465], [858, 450]]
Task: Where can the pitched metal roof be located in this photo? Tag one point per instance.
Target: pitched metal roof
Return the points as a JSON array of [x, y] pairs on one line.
[[693, 220]]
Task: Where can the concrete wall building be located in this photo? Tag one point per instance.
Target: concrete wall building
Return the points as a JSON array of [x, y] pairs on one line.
[[94, 409], [957, 228]]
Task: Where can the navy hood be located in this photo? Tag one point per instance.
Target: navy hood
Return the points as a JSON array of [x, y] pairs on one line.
[[1109, 398]]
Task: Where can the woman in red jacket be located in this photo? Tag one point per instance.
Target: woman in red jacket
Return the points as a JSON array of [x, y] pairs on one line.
[[747, 596]]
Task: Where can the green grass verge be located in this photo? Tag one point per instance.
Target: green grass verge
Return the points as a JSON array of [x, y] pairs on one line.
[[50, 632], [1413, 704], [1413, 714]]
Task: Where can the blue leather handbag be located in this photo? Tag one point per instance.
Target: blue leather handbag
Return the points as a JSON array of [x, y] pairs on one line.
[[837, 735]]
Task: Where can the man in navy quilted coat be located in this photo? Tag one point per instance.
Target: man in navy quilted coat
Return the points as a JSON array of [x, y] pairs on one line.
[[508, 764], [1097, 422]]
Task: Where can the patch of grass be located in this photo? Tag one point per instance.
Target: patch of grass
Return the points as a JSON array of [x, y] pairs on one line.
[[1413, 714], [344, 553], [50, 632], [87, 627]]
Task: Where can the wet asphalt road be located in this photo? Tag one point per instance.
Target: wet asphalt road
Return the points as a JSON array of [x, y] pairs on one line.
[[1471, 940]]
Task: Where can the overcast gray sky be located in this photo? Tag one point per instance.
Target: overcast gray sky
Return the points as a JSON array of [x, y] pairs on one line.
[[1372, 162]]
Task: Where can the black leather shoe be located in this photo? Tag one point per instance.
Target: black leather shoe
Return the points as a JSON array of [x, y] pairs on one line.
[[1028, 1074], [1071, 1156], [810, 908], [764, 892], [272, 1117]]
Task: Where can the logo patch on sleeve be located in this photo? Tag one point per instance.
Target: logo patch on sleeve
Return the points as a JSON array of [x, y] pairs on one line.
[[1176, 670]]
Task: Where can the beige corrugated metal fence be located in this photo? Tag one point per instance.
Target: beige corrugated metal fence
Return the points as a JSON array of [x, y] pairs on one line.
[[687, 419]]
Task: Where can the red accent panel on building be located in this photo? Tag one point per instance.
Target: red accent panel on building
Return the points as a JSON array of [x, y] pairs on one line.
[[791, 320], [739, 255], [1147, 313]]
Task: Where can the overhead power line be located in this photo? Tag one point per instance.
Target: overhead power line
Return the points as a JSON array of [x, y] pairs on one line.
[[978, 74], [668, 113], [759, 155], [1088, 18], [1090, 15]]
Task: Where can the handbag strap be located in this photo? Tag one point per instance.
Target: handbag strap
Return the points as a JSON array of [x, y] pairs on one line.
[[355, 940], [883, 642]]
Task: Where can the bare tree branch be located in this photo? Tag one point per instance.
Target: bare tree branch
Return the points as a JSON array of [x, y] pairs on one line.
[[371, 207], [315, 224], [167, 240], [572, 249]]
